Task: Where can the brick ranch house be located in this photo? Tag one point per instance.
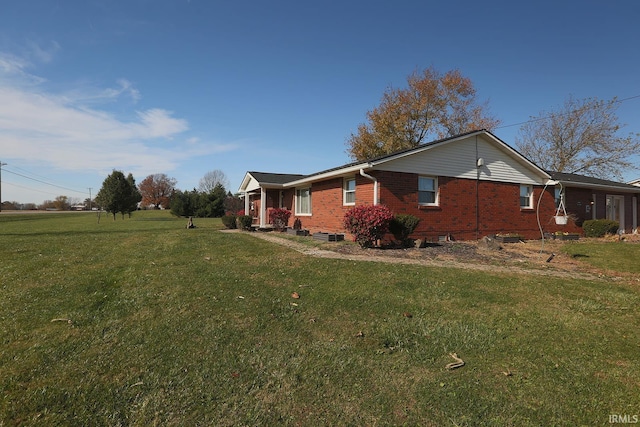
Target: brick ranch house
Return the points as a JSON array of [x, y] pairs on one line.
[[462, 188]]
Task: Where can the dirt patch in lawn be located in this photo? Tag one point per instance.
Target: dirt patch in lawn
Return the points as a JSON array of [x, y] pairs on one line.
[[528, 257]]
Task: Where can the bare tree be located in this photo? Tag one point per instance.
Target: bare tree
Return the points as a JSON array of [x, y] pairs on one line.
[[211, 179], [581, 136]]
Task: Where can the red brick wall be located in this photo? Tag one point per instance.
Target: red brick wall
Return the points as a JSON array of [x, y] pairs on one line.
[[327, 204], [456, 216]]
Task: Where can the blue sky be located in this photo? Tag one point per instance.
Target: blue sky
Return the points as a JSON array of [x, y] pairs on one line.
[[183, 87]]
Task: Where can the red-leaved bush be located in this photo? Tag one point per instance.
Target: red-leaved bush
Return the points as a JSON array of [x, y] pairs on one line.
[[368, 223], [279, 218]]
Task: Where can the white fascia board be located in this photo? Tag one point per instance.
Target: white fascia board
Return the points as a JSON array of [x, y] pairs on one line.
[[271, 186], [327, 175], [245, 182]]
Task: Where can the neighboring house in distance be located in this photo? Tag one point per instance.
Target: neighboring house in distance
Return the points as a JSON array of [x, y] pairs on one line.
[[464, 187]]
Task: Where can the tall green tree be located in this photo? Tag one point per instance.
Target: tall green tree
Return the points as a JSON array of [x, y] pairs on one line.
[[216, 201], [581, 136], [133, 198], [118, 194], [434, 105], [199, 204]]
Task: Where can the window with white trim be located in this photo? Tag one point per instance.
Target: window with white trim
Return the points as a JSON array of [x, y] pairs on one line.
[[303, 201], [349, 191], [526, 196], [427, 191]]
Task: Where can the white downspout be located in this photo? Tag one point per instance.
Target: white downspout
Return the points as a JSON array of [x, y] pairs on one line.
[[375, 186]]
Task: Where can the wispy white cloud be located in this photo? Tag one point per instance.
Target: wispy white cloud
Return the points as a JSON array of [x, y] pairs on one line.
[[44, 54], [86, 93], [70, 131], [158, 123], [13, 70], [39, 128]]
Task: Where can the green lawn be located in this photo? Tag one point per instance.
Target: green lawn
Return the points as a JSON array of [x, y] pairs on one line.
[[177, 327], [617, 256]]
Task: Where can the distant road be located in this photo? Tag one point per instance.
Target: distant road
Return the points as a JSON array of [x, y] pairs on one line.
[[10, 212]]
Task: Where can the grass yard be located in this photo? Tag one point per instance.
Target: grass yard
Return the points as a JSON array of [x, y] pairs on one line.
[[607, 255], [141, 322]]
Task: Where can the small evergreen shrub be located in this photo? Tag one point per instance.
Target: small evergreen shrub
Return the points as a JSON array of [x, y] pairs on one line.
[[368, 223], [279, 218], [402, 225], [229, 221], [600, 227], [243, 222]]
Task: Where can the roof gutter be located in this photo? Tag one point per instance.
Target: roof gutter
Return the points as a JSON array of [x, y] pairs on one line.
[[576, 184], [375, 185]]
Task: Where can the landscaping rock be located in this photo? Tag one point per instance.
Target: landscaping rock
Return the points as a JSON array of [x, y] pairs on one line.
[[489, 243]]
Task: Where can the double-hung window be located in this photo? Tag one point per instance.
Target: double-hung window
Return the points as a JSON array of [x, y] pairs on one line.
[[526, 197], [303, 201], [349, 192], [427, 191]]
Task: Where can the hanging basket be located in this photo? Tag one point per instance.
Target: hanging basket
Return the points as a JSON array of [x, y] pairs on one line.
[[561, 219]]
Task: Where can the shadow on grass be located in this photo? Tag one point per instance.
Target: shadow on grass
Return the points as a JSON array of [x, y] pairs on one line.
[[579, 256]]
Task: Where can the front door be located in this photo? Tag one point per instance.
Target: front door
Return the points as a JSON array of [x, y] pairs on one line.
[[615, 210]]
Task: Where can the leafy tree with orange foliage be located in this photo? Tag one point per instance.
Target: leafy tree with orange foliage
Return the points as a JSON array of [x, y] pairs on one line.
[[157, 190], [434, 105]]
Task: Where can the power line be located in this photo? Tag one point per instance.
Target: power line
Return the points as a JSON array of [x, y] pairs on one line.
[[44, 182], [538, 119], [29, 172], [50, 193]]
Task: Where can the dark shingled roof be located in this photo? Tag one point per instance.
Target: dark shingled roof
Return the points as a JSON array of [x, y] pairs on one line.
[[275, 178], [582, 179]]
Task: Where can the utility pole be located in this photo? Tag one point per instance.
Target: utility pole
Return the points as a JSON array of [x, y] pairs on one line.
[[89, 198], [1, 165]]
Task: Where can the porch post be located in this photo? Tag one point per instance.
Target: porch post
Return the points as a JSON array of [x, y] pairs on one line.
[[635, 215], [247, 205], [263, 207]]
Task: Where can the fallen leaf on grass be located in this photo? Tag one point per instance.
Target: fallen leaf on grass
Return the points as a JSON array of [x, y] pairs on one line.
[[457, 364], [359, 334], [295, 295]]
